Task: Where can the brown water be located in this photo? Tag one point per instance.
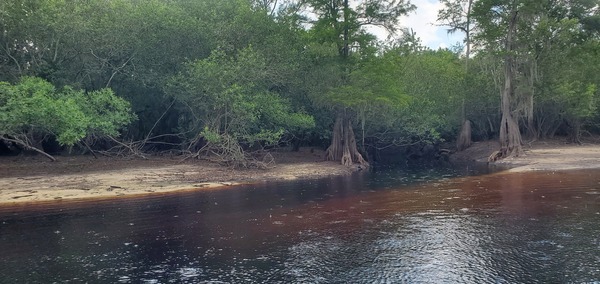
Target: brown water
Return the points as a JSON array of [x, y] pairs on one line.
[[384, 227]]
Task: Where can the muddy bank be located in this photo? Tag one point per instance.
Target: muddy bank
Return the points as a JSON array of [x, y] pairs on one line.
[[33, 179]]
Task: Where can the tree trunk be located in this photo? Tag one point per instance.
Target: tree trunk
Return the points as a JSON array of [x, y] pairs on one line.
[[464, 139], [468, 35], [510, 136], [334, 151], [575, 133], [343, 144], [346, 47], [531, 75], [531, 128]]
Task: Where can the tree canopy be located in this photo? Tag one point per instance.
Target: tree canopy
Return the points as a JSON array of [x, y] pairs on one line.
[[227, 79]]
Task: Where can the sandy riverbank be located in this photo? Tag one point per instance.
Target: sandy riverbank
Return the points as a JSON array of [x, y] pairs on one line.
[[34, 179], [553, 155]]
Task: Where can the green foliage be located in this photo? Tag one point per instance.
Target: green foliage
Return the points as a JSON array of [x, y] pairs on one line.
[[482, 96], [371, 84], [578, 99], [404, 96], [554, 61], [106, 112], [244, 73], [211, 136], [229, 95], [34, 108], [434, 82], [566, 92]]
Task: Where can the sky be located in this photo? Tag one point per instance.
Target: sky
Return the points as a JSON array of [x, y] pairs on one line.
[[422, 22]]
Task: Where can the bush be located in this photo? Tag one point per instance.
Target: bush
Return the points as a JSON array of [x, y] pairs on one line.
[[34, 109]]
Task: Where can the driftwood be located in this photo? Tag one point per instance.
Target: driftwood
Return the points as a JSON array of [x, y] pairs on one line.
[[495, 156]]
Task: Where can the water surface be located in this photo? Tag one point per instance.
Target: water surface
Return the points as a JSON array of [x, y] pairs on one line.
[[389, 226]]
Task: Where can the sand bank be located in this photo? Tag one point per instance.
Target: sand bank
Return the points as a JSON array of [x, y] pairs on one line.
[[33, 179]]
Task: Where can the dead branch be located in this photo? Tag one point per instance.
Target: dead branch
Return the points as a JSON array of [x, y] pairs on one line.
[[28, 147], [133, 147]]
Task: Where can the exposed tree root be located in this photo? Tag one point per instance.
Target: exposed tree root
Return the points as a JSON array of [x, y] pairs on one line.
[[510, 138]]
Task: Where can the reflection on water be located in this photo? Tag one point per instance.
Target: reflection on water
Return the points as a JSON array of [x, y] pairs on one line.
[[382, 227]]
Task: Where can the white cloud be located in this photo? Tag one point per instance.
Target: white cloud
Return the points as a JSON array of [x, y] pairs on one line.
[[423, 19], [423, 22]]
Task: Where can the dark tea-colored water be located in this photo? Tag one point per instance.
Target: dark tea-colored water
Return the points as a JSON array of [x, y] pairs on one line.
[[383, 227]]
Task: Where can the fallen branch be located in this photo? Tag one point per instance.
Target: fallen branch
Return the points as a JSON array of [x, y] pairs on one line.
[[28, 147], [90, 149]]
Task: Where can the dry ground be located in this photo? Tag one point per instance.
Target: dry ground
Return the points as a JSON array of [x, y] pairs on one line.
[[34, 179], [552, 155]]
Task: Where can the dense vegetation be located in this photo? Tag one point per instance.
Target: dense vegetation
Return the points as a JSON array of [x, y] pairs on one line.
[[229, 78]]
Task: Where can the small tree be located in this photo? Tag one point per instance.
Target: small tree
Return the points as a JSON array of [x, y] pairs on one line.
[[456, 15], [228, 106]]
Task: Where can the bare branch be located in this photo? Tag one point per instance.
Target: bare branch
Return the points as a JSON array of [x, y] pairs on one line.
[[28, 146]]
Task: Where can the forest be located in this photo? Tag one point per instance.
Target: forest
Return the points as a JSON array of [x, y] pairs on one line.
[[230, 79]]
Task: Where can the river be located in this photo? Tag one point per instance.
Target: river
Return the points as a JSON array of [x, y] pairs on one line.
[[390, 226]]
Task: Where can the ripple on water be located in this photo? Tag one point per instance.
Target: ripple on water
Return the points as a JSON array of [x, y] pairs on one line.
[[489, 235]]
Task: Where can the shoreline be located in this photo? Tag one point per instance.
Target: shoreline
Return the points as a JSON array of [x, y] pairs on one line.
[[32, 180], [555, 159], [551, 155]]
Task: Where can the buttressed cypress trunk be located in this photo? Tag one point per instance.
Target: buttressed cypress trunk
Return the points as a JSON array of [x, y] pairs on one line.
[[343, 146], [343, 143]]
